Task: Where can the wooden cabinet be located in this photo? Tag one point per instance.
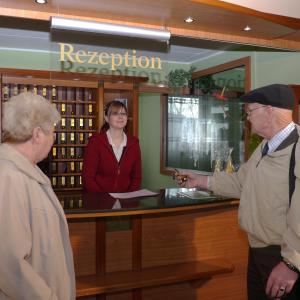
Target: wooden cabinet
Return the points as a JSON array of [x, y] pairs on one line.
[[80, 99]]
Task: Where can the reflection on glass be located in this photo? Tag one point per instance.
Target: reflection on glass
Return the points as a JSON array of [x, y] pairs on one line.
[[201, 130]]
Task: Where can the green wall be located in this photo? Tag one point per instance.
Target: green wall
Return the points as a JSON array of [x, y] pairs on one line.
[[149, 135], [266, 67]]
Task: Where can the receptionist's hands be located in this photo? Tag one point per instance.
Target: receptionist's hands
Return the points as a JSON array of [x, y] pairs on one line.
[[189, 179]]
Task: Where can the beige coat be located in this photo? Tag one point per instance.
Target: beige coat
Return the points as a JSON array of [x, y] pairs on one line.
[[263, 188], [36, 261]]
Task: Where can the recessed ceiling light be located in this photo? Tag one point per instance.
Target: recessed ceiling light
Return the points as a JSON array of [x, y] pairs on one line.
[[247, 28], [189, 20], [41, 1]]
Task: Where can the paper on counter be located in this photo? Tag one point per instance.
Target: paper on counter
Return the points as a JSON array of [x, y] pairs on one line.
[[136, 194]]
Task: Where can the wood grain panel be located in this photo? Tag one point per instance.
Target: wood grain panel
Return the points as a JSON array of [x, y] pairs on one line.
[[119, 296], [197, 236], [215, 20], [118, 251], [82, 235]]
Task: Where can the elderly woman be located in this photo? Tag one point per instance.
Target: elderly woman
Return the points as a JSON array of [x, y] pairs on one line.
[[36, 259]]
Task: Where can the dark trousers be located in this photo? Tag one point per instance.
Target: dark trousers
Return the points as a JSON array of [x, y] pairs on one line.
[[261, 261]]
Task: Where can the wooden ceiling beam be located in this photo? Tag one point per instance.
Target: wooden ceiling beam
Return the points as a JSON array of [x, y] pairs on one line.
[[279, 43], [290, 22]]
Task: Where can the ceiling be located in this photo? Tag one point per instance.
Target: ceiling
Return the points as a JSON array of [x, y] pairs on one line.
[[214, 21]]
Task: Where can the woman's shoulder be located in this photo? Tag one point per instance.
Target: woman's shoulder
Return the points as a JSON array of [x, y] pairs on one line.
[[98, 137], [132, 139]]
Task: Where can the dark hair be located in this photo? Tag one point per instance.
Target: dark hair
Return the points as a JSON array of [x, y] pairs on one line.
[[108, 109]]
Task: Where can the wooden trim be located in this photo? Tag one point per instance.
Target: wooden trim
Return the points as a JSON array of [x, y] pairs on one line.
[[118, 85], [100, 113], [296, 90], [163, 130], [151, 277], [136, 243], [143, 88], [70, 75], [158, 211], [278, 43], [245, 61], [135, 110], [100, 246], [136, 251], [290, 22], [47, 82]]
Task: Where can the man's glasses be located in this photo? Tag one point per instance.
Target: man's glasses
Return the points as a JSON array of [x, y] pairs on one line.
[[121, 114], [249, 111]]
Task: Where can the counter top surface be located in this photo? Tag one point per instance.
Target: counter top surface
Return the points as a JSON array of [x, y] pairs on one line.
[[79, 204]]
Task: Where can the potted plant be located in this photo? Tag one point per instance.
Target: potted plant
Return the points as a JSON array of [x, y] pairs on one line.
[[180, 80]]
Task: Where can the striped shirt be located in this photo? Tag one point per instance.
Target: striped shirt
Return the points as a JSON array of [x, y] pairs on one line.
[[279, 137]]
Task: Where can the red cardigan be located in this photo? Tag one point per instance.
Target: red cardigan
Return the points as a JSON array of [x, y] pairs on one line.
[[103, 173]]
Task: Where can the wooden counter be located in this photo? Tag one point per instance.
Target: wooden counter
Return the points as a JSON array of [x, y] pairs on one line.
[[172, 247]]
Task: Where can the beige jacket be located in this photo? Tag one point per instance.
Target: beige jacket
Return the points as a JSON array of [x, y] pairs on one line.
[[263, 188], [36, 261]]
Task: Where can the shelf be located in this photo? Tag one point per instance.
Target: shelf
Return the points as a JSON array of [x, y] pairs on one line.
[[75, 130], [64, 159], [69, 145], [67, 189], [150, 277], [73, 101], [64, 174], [68, 116]]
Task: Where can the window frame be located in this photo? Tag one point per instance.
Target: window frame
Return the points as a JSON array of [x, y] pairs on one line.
[[242, 62]]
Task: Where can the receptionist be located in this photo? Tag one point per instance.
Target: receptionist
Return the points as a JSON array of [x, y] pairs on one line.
[[112, 159]]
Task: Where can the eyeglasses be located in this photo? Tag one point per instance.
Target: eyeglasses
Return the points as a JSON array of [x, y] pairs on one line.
[[121, 114], [249, 111]]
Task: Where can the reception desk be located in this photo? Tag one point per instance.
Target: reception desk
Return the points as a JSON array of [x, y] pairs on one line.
[[167, 246]]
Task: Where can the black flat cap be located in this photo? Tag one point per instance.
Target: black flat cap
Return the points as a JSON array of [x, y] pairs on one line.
[[277, 95]]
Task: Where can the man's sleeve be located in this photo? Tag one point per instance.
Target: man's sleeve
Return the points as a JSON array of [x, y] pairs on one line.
[[229, 185]]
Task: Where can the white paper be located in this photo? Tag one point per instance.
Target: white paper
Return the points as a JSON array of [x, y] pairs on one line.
[[117, 205], [136, 194]]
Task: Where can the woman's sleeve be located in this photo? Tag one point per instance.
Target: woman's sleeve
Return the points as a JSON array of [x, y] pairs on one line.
[[18, 280], [91, 161], [136, 174]]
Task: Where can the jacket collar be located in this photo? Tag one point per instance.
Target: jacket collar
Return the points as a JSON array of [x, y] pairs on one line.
[[8, 153], [103, 137]]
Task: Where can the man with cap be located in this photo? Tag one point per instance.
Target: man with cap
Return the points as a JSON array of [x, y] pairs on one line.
[[268, 186]]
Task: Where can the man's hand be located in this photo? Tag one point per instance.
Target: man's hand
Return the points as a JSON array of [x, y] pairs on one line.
[[281, 281], [190, 179]]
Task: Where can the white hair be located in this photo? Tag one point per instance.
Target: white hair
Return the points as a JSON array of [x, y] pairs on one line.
[[23, 113]]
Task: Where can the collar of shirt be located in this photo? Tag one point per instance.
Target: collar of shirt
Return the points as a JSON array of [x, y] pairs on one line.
[[279, 137], [117, 150]]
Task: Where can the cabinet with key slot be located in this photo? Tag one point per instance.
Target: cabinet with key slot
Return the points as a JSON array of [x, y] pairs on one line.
[[81, 100]]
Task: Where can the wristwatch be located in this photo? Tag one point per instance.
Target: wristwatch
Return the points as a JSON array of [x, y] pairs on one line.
[[290, 265]]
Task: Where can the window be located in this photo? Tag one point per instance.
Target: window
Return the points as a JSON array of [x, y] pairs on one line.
[[207, 127]]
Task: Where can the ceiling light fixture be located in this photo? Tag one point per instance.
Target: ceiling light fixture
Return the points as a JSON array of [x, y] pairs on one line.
[[59, 23], [247, 28], [189, 20], [40, 1]]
